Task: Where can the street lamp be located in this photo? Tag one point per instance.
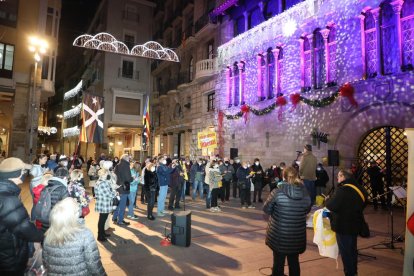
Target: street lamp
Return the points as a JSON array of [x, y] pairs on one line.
[[38, 47]]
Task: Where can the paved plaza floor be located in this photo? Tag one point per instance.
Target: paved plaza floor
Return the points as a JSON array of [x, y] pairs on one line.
[[231, 243]]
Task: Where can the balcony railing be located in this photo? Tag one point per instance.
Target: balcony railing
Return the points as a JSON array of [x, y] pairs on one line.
[[203, 21], [205, 68]]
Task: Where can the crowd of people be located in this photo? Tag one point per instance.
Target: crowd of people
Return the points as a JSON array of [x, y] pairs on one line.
[[61, 203]]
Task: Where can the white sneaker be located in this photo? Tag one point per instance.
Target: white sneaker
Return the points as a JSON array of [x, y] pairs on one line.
[[213, 210]]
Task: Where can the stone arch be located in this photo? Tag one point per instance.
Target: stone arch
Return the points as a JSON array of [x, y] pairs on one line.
[[351, 133]]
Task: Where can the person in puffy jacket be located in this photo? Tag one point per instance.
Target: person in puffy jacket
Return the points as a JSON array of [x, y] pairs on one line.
[[287, 207], [16, 230], [69, 247]]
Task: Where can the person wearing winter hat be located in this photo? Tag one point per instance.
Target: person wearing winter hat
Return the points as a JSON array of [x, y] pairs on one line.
[[17, 230], [62, 163]]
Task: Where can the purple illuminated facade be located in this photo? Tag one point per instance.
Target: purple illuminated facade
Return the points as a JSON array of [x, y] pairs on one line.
[[313, 48]]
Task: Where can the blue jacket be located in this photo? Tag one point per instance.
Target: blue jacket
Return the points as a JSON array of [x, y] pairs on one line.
[[164, 175]]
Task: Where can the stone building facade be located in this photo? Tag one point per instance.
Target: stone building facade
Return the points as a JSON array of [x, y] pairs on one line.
[[287, 75], [20, 95], [183, 93]]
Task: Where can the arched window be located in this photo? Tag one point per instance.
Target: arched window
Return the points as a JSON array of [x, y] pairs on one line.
[[270, 73], [261, 76], [236, 83], [407, 31], [191, 69], [307, 78], [319, 64], [389, 41], [332, 55], [370, 45]]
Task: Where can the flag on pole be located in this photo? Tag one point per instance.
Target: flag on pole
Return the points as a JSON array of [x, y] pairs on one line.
[[146, 125], [92, 119]]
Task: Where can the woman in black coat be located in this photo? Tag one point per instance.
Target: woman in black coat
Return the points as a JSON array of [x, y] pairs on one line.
[[286, 233], [150, 187]]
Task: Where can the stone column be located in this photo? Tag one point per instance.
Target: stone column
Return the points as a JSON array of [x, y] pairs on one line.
[[302, 62], [259, 58], [397, 6], [241, 82], [325, 35], [277, 73], [228, 85], [246, 21], [363, 49], [375, 13], [409, 238]]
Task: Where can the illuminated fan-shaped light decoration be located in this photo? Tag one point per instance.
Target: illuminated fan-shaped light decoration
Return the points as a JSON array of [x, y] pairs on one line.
[[72, 112], [108, 43]]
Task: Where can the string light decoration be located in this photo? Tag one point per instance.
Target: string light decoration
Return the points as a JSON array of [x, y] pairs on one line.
[[108, 43], [72, 112], [73, 92], [297, 98], [69, 132]]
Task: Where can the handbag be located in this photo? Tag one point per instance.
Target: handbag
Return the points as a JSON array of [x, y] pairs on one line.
[[364, 231], [85, 211], [115, 201]]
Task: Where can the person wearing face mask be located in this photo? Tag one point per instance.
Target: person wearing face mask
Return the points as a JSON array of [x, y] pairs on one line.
[[227, 171], [150, 187], [215, 179], [236, 166], [63, 163], [257, 179], [175, 186], [243, 178], [197, 174], [17, 230], [164, 178], [115, 162]]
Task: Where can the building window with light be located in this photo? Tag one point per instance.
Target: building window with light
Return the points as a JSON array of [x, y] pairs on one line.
[[370, 37], [210, 101], [235, 84], [319, 64], [407, 29], [6, 60], [389, 41], [279, 72]]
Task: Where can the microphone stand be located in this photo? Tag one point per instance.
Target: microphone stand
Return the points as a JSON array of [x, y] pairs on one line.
[[390, 244]]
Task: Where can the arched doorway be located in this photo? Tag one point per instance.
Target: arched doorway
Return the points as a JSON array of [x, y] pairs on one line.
[[387, 146]]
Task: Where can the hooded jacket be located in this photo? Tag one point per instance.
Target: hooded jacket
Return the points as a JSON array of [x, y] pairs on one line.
[[347, 218], [287, 206], [16, 230]]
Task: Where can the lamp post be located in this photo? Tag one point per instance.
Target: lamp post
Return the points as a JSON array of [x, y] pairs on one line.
[[38, 47]]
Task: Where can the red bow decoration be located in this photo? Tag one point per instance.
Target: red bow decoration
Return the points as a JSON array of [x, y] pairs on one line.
[[280, 101], [295, 99], [347, 90], [245, 109]]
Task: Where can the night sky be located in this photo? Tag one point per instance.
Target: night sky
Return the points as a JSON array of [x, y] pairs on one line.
[[75, 19]]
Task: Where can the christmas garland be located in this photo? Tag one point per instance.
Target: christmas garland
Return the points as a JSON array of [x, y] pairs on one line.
[[346, 90]]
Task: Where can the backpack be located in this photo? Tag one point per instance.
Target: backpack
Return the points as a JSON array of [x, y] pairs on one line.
[[44, 205]]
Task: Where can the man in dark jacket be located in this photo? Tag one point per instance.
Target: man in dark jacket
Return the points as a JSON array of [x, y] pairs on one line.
[[176, 185], [377, 184], [258, 178], [197, 175], [236, 165], [164, 178], [124, 178], [16, 230], [321, 179], [227, 170], [347, 219], [243, 182]]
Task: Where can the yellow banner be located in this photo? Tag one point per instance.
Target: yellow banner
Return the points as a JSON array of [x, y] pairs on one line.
[[207, 140]]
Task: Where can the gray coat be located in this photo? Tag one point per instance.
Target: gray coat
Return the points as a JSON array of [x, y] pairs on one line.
[[78, 257]]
